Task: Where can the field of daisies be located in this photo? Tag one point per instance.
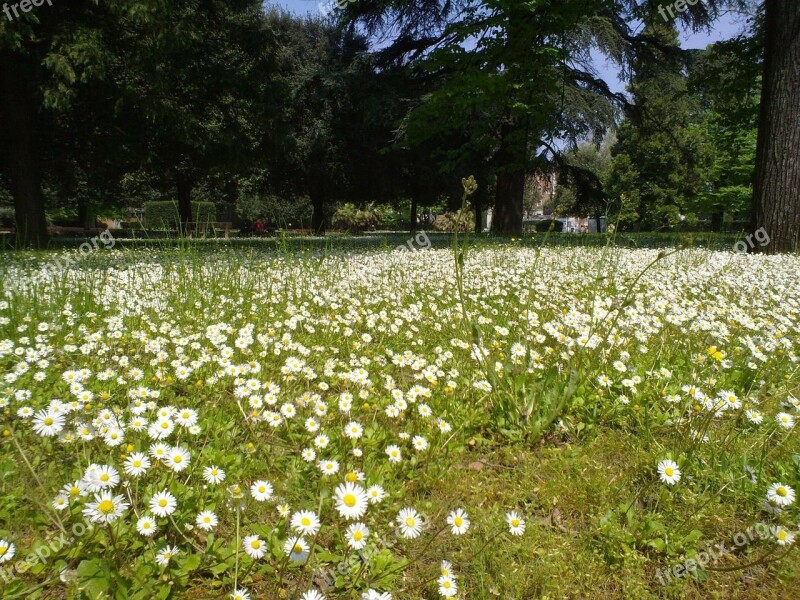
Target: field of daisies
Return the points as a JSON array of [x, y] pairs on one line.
[[499, 422]]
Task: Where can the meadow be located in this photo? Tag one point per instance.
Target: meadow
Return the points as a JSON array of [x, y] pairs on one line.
[[506, 421]]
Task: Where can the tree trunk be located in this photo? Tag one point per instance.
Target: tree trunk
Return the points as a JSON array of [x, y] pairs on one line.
[[184, 186], [84, 215], [507, 217], [776, 192], [412, 218], [716, 219], [318, 219], [18, 149]]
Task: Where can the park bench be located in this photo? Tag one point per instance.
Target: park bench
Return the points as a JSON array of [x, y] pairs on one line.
[[215, 228]]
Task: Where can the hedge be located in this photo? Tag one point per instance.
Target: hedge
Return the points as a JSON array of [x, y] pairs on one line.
[[164, 215]]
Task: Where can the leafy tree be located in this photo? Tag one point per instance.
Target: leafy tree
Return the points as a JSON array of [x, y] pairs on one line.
[[726, 79], [584, 171], [659, 160], [509, 77]]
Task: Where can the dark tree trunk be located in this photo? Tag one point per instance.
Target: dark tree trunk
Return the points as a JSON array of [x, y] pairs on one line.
[[776, 192], [412, 218], [84, 215], [318, 218], [18, 149], [184, 186], [716, 220], [507, 217]]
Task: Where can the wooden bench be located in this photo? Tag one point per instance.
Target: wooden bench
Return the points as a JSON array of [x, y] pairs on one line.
[[203, 228]]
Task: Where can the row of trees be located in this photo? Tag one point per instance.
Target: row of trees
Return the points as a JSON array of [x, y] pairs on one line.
[[109, 100]]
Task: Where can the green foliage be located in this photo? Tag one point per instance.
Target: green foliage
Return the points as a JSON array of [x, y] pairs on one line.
[[164, 215], [273, 209], [659, 161]]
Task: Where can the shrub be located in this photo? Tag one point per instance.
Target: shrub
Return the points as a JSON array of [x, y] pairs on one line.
[[353, 219], [447, 222], [275, 210], [6, 216], [164, 215]]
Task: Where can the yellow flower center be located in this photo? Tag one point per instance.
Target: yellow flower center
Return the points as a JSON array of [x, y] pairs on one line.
[[297, 549], [781, 491], [351, 477], [358, 536], [458, 521], [349, 500], [410, 521], [104, 477], [255, 544], [669, 471], [782, 535], [305, 521], [48, 421], [177, 459], [106, 507], [515, 522], [162, 503]]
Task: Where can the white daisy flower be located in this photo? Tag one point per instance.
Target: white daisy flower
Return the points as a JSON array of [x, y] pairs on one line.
[[146, 526], [376, 494], [458, 521], [669, 472], [213, 475], [136, 464], [163, 504], [178, 459], [254, 547], [105, 508], [305, 522], [206, 520], [409, 523], [166, 554], [394, 454], [7, 551], [780, 494], [297, 549], [356, 536], [516, 524], [261, 490], [351, 501]]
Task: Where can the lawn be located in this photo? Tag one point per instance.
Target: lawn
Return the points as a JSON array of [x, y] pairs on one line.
[[510, 421]]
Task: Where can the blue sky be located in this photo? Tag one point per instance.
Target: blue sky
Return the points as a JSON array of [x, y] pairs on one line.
[[726, 27]]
